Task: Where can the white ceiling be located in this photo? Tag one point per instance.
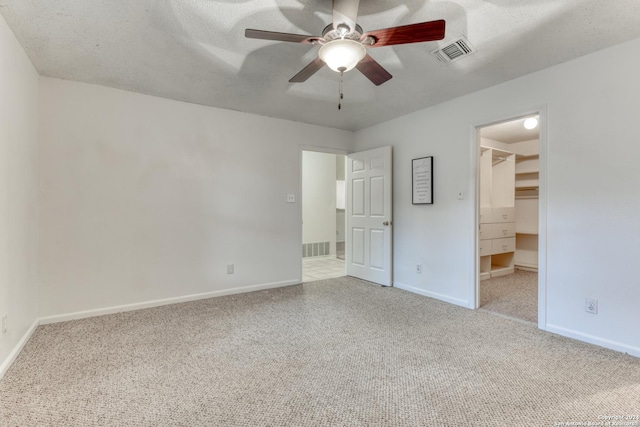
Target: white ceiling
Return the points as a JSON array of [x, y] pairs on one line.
[[195, 50]]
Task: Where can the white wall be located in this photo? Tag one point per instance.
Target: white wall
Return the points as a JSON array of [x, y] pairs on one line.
[[146, 198], [319, 198], [18, 194], [592, 199]]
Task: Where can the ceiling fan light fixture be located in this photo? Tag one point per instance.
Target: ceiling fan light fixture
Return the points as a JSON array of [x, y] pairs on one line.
[[342, 54], [531, 123]]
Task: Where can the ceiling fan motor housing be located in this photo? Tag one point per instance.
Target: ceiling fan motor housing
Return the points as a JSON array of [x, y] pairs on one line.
[[329, 33]]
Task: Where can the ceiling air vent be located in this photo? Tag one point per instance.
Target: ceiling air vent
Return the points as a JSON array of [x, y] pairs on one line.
[[454, 51]]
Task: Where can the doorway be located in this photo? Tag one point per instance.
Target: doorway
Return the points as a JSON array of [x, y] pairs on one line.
[[323, 215], [508, 281]]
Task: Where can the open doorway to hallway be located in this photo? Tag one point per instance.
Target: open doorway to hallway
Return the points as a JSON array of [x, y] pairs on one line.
[[323, 215], [508, 232]]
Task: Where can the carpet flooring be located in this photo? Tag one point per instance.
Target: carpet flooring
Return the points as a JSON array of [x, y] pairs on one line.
[[338, 352], [514, 295]]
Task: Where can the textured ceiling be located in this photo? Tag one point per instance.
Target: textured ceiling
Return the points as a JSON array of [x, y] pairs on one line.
[[195, 50]]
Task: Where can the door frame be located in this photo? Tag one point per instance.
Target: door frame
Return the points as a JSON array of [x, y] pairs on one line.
[[474, 286], [317, 149]]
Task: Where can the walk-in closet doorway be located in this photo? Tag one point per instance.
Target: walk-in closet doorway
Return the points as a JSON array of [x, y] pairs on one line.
[[510, 223]]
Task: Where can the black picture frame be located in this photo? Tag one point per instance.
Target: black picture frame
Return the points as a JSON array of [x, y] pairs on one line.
[[422, 181]]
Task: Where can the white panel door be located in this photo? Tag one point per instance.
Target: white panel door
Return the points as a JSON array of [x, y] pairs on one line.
[[369, 222]]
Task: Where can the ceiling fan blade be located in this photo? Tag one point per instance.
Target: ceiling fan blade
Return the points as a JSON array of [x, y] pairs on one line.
[[283, 37], [345, 12], [373, 71], [308, 71], [414, 33]]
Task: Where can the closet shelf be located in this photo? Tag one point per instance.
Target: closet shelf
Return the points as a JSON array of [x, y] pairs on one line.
[[527, 156], [526, 266], [527, 175], [526, 186], [528, 193]]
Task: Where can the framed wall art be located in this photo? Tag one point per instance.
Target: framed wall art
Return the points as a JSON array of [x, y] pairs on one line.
[[422, 180]]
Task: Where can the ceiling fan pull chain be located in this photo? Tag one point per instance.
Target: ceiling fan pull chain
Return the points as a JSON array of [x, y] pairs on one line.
[[341, 69]]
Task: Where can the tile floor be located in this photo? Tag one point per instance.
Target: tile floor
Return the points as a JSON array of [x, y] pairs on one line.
[[322, 268]]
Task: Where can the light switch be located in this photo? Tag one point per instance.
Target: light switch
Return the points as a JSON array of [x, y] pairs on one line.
[[460, 195], [291, 198]]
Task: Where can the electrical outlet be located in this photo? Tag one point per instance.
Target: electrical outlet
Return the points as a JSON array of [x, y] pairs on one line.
[[5, 325], [591, 305], [229, 268], [418, 268], [291, 198]]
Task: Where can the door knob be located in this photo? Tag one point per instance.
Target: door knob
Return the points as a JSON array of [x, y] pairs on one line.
[[386, 223]]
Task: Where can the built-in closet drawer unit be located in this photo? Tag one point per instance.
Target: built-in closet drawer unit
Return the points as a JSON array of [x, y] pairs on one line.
[[507, 214], [501, 246], [485, 247], [486, 232], [486, 215], [500, 230]]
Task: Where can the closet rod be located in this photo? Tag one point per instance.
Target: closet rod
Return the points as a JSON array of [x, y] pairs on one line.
[[502, 158]]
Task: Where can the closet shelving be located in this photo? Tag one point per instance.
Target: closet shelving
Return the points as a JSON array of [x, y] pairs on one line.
[[526, 205], [527, 173]]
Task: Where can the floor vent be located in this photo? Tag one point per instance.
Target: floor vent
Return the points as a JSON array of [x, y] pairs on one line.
[[454, 51], [315, 249]]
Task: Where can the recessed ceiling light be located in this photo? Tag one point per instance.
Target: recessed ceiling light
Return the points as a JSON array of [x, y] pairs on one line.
[[531, 123]]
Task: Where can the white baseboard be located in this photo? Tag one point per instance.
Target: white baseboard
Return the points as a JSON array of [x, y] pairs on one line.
[[592, 339], [434, 295], [6, 364], [156, 303]]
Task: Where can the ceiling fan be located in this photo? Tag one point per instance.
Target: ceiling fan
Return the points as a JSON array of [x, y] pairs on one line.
[[343, 44]]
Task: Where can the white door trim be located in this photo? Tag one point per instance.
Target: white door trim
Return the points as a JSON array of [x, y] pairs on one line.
[[474, 285]]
